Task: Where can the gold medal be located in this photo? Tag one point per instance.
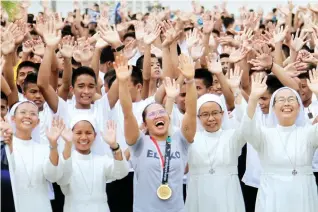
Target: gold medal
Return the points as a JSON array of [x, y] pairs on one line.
[[164, 192]]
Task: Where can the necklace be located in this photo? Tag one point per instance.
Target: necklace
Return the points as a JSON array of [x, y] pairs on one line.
[[91, 161], [294, 172], [211, 170], [25, 167]]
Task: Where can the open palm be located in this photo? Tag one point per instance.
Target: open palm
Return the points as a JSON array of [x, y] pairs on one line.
[[109, 135], [186, 66], [123, 72], [55, 131], [313, 81], [214, 64], [258, 85], [172, 88]]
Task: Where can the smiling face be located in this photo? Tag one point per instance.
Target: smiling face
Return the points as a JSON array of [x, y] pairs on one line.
[[155, 68], [84, 89], [210, 115], [33, 94], [156, 120], [264, 102], [216, 86], [26, 117], [83, 136], [286, 107]]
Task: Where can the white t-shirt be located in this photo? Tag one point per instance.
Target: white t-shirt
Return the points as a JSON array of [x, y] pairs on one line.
[[100, 112]]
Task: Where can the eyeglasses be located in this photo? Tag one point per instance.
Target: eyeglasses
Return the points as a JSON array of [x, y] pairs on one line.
[[282, 100], [207, 115], [157, 113], [24, 113]]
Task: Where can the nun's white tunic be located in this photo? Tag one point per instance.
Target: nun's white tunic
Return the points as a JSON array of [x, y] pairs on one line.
[[30, 170], [220, 191], [282, 150], [84, 181]]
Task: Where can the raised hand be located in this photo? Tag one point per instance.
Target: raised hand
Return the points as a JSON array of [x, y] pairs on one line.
[[298, 40], [58, 21], [86, 53], [235, 78], [291, 70], [196, 51], [109, 34], [172, 88], [186, 66], [20, 31], [312, 82], [280, 35], [109, 135], [192, 38], [66, 47], [214, 64], [7, 45], [139, 30], [123, 72], [208, 24], [130, 50], [38, 47], [67, 135], [238, 55], [55, 131], [149, 38], [258, 86], [263, 58], [101, 43], [51, 34], [27, 46]]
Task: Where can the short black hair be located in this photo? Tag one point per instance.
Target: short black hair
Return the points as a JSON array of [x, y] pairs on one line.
[[140, 61], [216, 32], [304, 75], [205, 76], [227, 21], [83, 70], [110, 77], [129, 34], [273, 83], [136, 76], [107, 55], [27, 64], [4, 96], [224, 55], [31, 78]]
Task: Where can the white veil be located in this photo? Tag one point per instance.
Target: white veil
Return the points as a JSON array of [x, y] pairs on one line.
[[35, 132], [226, 124], [272, 119]]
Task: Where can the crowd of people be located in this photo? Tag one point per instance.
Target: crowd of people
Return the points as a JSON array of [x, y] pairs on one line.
[[168, 111]]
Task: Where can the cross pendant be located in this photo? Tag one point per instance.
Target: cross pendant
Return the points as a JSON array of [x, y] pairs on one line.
[[211, 171], [294, 172]]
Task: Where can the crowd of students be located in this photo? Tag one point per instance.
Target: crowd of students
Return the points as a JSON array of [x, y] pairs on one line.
[[167, 111]]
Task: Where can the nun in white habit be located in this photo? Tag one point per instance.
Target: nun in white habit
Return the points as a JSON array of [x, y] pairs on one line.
[[31, 165], [285, 150], [86, 173], [213, 158]]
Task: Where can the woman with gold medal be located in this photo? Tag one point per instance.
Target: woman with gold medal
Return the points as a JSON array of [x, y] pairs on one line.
[[158, 159]]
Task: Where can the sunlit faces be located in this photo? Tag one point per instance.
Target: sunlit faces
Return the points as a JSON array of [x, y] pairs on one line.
[[201, 88], [225, 64], [286, 107], [210, 115], [216, 86], [33, 94], [180, 99], [84, 89], [157, 120], [155, 68], [4, 108], [26, 116], [264, 102], [83, 136], [304, 91], [23, 72]]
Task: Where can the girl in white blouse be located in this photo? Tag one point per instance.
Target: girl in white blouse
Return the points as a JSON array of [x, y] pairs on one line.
[[85, 173]]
